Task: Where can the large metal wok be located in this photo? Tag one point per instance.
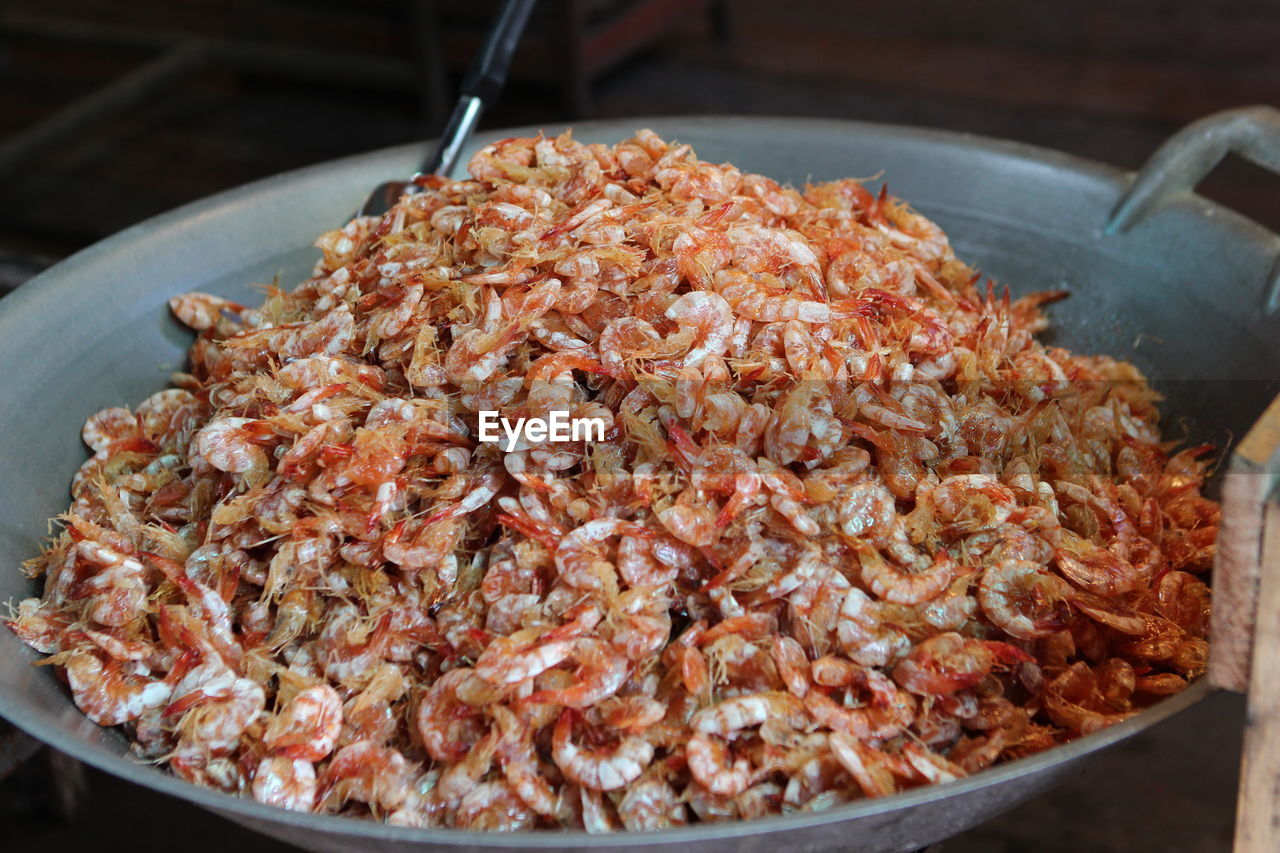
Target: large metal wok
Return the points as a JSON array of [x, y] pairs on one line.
[[1186, 292]]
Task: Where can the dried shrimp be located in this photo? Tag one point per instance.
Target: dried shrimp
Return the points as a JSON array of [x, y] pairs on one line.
[[851, 528]]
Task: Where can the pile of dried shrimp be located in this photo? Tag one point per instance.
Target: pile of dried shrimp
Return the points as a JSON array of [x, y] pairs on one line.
[[852, 528]]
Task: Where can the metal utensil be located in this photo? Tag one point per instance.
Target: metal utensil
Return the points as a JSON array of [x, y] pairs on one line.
[[1182, 293], [481, 86]]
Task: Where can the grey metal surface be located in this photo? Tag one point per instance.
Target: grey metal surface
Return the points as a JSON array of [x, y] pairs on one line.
[[1179, 294], [1190, 154]]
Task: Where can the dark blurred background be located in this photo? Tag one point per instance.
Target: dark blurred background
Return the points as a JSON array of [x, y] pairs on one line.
[[114, 112]]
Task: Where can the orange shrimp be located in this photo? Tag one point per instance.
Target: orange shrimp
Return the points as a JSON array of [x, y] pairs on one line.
[[599, 770]]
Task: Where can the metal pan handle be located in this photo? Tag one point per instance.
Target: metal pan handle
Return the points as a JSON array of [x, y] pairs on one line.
[[1186, 157]]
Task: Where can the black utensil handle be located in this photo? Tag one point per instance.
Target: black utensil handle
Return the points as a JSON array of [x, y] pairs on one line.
[[488, 71], [480, 87], [462, 121]]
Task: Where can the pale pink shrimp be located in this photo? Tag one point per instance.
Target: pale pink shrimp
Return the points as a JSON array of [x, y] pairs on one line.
[[865, 636], [554, 333], [832, 671], [884, 416], [291, 617], [494, 806], [578, 218], [933, 767], [106, 694], [308, 727], [1099, 571], [119, 588], [690, 388], [639, 565], [216, 706], [882, 719], [651, 804], [926, 402], [753, 298], [806, 567], [751, 428], [1073, 700], [902, 587], [286, 783], [949, 662], [951, 610], [331, 334], [788, 432], [788, 497], [796, 514], [39, 624], [638, 636], [742, 712], [391, 322], [228, 444], [366, 772], [431, 544], [301, 454], [341, 244], [207, 606], [513, 659], [864, 763], [1113, 614], [710, 321], [748, 626], [369, 714], [792, 663], [578, 557], [109, 426], [761, 249], [1022, 599], [622, 340], [519, 762], [202, 311], [709, 763], [600, 769], [972, 502], [694, 673], [551, 383], [866, 510], [699, 254], [632, 714], [448, 727], [460, 777], [348, 646], [476, 355], [601, 672], [722, 412]]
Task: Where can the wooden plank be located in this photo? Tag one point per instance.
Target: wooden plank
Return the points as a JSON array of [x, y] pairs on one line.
[[1260, 445], [1258, 807], [1246, 624], [1235, 576], [1247, 491]]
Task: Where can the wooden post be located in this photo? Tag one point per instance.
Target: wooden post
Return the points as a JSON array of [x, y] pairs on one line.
[[1245, 650], [1258, 808]]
